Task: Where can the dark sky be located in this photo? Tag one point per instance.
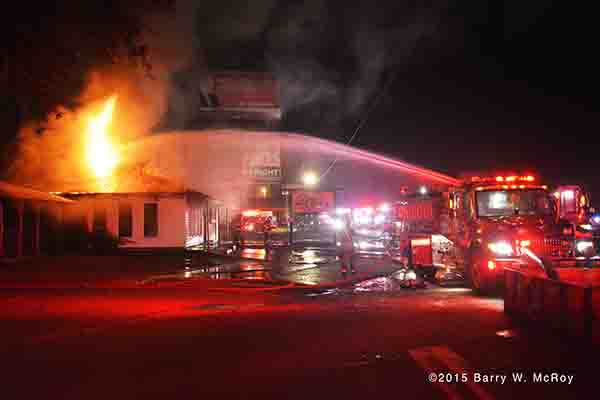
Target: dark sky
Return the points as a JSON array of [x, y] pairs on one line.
[[474, 85], [469, 85]]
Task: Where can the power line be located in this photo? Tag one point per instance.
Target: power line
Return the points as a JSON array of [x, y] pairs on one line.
[[363, 120]]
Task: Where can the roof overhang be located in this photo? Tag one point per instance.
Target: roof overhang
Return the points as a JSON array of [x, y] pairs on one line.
[[19, 192]]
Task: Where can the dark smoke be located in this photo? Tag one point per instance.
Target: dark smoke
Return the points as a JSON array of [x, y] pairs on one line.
[[52, 152], [332, 60]]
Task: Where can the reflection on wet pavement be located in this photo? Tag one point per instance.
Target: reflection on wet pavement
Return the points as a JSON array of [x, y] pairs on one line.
[[240, 270], [312, 257], [193, 268]]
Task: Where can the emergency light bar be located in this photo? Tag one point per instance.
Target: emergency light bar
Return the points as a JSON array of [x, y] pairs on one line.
[[511, 178]]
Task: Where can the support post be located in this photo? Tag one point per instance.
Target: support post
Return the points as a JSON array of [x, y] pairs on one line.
[[37, 209], [1, 228], [20, 206]]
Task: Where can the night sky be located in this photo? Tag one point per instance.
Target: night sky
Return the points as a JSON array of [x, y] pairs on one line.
[[469, 86], [462, 86]]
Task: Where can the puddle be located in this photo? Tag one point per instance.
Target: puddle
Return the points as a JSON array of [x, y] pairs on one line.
[[311, 257], [240, 270]]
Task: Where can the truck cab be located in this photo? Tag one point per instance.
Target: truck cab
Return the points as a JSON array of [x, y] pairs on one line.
[[508, 221]]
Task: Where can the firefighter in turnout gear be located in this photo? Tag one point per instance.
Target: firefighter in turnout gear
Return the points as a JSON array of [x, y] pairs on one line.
[[347, 248]]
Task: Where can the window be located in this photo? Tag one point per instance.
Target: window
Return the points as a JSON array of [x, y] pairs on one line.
[[125, 220], [99, 223], [150, 219], [504, 203]]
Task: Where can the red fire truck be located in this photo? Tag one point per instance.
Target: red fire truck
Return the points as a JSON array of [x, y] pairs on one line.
[[476, 229]]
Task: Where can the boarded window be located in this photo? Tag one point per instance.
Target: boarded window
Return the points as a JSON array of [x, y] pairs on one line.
[[99, 223], [150, 219], [125, 220]]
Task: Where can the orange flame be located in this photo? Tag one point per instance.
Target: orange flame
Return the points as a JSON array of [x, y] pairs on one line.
[[102, 155]]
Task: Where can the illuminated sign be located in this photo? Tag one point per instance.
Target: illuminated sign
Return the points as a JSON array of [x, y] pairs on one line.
[[312, 202], [265, 172], [262, 162]]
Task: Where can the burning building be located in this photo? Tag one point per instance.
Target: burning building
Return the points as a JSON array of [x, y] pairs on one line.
[[30, 221], [121, 202]]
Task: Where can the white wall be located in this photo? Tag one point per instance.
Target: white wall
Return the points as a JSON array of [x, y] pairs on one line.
[[171, 217]]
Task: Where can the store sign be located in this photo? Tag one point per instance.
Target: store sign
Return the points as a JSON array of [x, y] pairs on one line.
[[240, 90], [265, 172], [263, 164], [312, 202]]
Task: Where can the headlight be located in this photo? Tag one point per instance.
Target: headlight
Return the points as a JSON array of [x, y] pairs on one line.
[[584, 246], [338, 224], [501, 248]]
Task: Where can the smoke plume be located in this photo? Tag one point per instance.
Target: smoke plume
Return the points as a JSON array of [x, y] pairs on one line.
[[51, 153]]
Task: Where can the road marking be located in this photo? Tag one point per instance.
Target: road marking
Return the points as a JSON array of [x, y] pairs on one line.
[[437, 359], [459, 365], [426, 360]]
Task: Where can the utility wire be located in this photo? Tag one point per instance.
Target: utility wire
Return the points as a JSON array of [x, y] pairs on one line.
[[363, 120]]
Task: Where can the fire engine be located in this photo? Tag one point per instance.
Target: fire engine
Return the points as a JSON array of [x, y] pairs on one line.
[[250, 226], [478, 228]]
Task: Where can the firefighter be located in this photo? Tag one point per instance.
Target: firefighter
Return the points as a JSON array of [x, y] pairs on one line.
[[347, 248], [267, 226], [406, 253]]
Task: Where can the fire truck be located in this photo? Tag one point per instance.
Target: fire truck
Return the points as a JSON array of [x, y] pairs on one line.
[[476, 229], [250, 226], [573, 205]]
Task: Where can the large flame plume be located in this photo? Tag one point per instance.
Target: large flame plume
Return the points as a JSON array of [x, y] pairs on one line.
[[102, 154]]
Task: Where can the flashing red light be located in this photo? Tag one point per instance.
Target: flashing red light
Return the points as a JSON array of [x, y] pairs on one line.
[[529, 178], [499, 179], [491, 265], [511, 178], [250, 213]]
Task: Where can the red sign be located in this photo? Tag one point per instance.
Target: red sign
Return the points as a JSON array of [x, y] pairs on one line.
[[312, 202], [237, 89]]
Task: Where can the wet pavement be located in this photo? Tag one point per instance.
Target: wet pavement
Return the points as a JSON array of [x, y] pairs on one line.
[[210, 328], [347, 342]]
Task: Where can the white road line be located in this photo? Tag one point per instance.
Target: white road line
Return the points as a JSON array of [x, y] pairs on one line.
[[453, 362], [460, 365], [426, 360]]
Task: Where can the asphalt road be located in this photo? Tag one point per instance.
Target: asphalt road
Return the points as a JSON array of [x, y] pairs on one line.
[[211, 338]]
